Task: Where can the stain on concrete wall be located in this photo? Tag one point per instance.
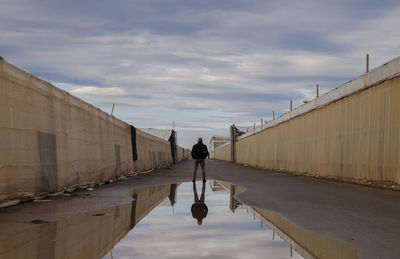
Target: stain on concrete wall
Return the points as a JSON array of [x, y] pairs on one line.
[[133, 210], [117, 160], [133, 142], [48, 161]]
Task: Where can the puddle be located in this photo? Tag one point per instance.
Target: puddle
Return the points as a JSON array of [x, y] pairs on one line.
[[177, 228], [162, 222]]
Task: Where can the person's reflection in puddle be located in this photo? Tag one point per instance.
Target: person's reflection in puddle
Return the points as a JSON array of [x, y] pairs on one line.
[[199, 208]]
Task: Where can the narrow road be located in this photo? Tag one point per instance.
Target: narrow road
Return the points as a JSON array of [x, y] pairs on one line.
[[366, 218]]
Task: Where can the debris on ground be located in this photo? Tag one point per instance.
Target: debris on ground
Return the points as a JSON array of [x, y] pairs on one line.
[[9, 203], [55, 194]]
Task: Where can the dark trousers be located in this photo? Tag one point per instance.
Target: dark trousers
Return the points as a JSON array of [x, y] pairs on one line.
[[202, 165]]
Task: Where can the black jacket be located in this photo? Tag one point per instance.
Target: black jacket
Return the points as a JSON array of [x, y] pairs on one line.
[[199, 151]]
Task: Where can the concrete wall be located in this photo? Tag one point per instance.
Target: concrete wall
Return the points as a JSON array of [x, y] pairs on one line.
[[355, 135], [215, 142], [153, 152], [51, 140], [183, 153], [223, 152]]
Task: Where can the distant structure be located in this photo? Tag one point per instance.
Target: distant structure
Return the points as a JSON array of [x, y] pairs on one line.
[[215, 142]]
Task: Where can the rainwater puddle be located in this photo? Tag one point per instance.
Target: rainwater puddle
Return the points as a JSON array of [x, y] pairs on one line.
[[213, 225], [161, 222]]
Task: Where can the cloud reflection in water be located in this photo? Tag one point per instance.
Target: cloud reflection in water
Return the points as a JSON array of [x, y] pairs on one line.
[[168, 232]]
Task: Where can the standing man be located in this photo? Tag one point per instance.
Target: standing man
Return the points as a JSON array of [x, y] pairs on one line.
[[199, 153]]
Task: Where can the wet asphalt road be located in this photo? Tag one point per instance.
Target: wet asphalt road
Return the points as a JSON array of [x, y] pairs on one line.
[[363, 217]]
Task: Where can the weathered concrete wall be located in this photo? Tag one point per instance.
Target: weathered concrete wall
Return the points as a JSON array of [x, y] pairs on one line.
[[51, 140], [183, 153], [215, 142], [153, 152], [223, 152], [354, 136]]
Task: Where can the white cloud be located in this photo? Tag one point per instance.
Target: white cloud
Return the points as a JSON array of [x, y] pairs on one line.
[[92, 90]]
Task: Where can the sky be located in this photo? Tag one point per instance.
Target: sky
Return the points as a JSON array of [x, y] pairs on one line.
[[204, 64]]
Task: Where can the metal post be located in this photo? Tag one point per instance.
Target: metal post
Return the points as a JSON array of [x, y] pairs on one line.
[[233, 140], [112, 110], [317, 90], [367, 63], [273, 115], [291, 105], [214, 150]]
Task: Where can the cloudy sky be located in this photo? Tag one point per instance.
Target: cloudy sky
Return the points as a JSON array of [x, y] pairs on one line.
[[204, 64]]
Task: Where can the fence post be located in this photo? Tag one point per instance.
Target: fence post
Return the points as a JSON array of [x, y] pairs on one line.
[[233, 140], [112, 110]]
